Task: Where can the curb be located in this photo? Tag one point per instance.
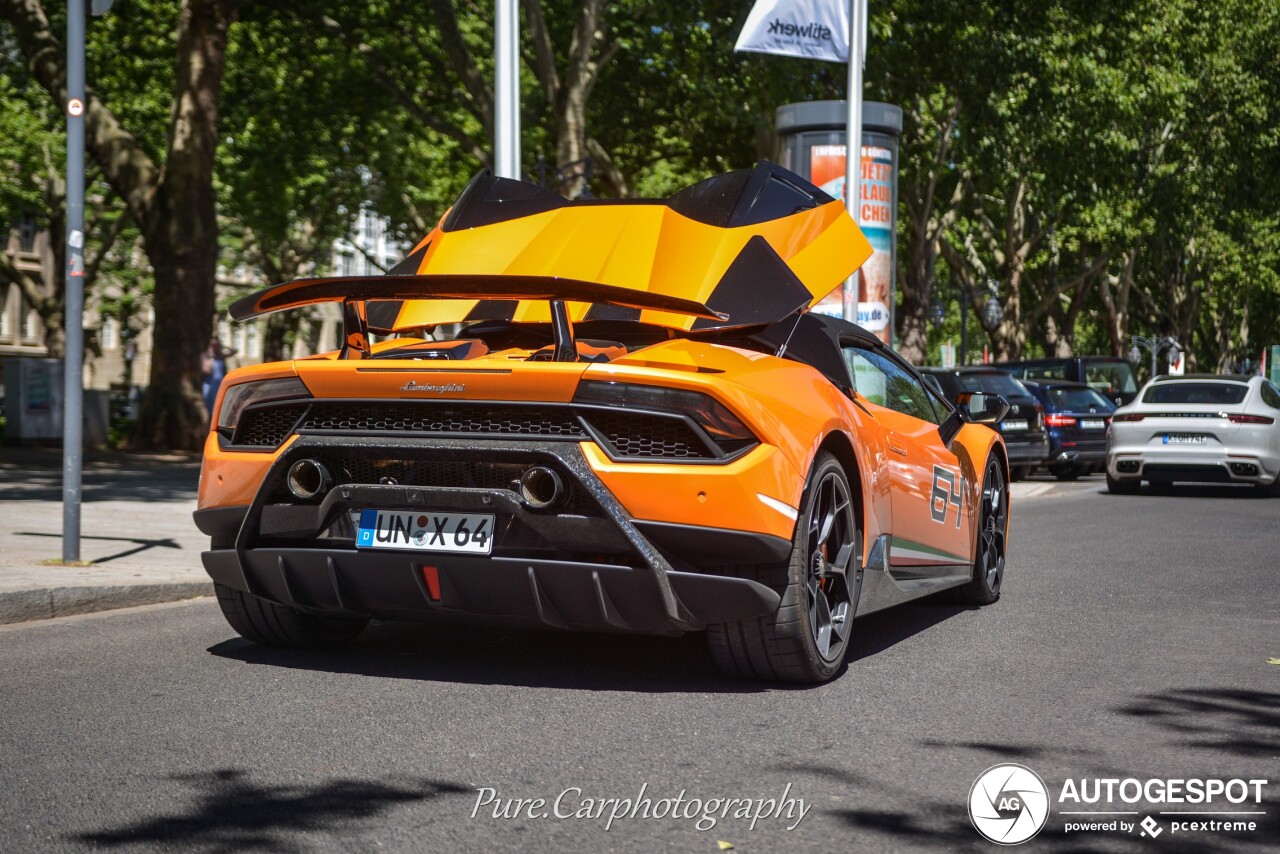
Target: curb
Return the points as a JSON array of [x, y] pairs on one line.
[[44, 603]]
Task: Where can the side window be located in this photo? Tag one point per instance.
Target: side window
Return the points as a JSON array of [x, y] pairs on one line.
[[886, 383], [1270, 395]]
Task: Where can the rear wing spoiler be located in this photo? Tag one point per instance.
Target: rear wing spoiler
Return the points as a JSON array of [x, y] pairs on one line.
[[354, 291]]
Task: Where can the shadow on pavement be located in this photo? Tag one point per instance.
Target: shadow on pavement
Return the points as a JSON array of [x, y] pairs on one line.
[[1234, 720], [884, 629], [473, 653], [142, 545], [1196, 490], [232, 813], [164, 482]]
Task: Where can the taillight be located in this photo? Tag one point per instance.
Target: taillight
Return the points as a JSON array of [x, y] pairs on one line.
[[1250, 419], [237, 397], [1128, 416], [721, 425], [1054, 420]]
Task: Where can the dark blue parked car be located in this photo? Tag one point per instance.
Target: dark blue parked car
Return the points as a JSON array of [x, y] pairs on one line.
[[1076, 418]]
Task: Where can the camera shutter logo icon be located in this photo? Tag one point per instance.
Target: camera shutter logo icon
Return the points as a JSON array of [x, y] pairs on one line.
[[1008, 804]]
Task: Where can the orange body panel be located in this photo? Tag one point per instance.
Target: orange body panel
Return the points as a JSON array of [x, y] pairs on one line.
[[643, 247]]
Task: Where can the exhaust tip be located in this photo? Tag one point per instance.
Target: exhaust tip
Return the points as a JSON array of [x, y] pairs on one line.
[[541, 487], [308, 479]]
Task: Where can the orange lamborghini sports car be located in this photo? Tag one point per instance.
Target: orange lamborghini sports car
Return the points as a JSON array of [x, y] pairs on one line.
[[633, 424]]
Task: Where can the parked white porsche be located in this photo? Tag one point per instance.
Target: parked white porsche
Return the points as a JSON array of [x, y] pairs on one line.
[[1199, 428]]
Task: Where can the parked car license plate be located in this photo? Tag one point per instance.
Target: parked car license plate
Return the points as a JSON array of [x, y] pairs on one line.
[[1092, 424], [427, 532], [1013, 424], [1184, 439]]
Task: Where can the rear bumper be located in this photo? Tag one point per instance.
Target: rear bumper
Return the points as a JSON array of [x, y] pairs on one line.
[[1192, 465], [592, 567], [556, 594]]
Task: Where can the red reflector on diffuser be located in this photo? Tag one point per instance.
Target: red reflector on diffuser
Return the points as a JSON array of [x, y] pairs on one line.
[[431, 575]]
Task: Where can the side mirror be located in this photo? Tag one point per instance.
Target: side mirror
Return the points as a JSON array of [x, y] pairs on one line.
[[983, 408], [972, 408]]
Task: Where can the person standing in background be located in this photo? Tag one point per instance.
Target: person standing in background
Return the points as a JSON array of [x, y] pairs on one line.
[[214, 367]]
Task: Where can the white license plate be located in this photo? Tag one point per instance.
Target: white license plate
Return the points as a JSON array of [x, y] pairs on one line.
[[426, 532], [1092, 424], [1014, 424], [1184, 439]]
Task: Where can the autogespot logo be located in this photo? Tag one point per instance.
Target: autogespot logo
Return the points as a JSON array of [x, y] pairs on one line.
[[1008, 804]]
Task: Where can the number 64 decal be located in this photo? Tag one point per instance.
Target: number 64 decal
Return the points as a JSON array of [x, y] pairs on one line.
[[948, 490]]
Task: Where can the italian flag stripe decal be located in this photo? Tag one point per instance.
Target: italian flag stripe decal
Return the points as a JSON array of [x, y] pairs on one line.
[[906, 553]]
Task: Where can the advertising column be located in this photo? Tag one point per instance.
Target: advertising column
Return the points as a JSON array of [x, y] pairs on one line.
[[812, 145]]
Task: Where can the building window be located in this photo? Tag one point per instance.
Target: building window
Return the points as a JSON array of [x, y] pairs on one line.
[[30, 324], [110, 333], [6, 326], [27, 230], [253, 342]]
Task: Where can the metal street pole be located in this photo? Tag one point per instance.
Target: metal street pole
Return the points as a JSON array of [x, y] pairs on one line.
[[73, 376], [506, 118], [853, 139]]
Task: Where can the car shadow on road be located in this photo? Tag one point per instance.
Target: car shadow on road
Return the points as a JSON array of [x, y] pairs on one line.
[[885, 629], [232, 812], [474, 653]]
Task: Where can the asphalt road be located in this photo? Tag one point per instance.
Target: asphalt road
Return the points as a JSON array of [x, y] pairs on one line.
[[1132, 641]]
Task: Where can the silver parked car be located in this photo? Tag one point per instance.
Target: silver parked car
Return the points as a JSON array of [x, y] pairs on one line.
[[1200, 428]]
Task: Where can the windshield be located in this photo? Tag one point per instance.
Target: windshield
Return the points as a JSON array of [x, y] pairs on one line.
[[1078, 400], [1110, 377], [1210, 393], [992, 383]]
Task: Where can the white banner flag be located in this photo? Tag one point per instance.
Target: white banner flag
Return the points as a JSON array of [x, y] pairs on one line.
[[810, 29]]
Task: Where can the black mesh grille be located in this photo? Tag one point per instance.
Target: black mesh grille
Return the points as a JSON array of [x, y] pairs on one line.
[[631, 434], [635, 435], [267, 428], [434, 418]]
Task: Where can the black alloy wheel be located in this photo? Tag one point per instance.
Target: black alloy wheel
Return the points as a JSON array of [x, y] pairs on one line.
[[831, 542], [993, 527], [807, 638]]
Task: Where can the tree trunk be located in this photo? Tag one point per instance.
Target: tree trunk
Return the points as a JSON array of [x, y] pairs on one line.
[[181, 234]]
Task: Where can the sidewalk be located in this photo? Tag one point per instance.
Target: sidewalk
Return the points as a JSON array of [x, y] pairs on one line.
[[136, 529]]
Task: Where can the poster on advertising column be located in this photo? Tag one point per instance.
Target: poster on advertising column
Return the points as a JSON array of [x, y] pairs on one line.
[[872, 306]]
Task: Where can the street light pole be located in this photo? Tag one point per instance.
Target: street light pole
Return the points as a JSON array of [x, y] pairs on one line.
[[73, 365], [1155, 346], [506, 112], [853, 141]]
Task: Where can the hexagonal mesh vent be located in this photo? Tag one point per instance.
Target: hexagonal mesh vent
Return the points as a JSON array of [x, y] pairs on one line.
[[653, 436], [434, 418], [267, 428]]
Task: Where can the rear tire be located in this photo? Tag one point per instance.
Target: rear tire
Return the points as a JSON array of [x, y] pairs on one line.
[[807, 638], [1017, 473], [1125, 486], [271, 624], [1270, 490], [993, 528], [1067, 473]]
